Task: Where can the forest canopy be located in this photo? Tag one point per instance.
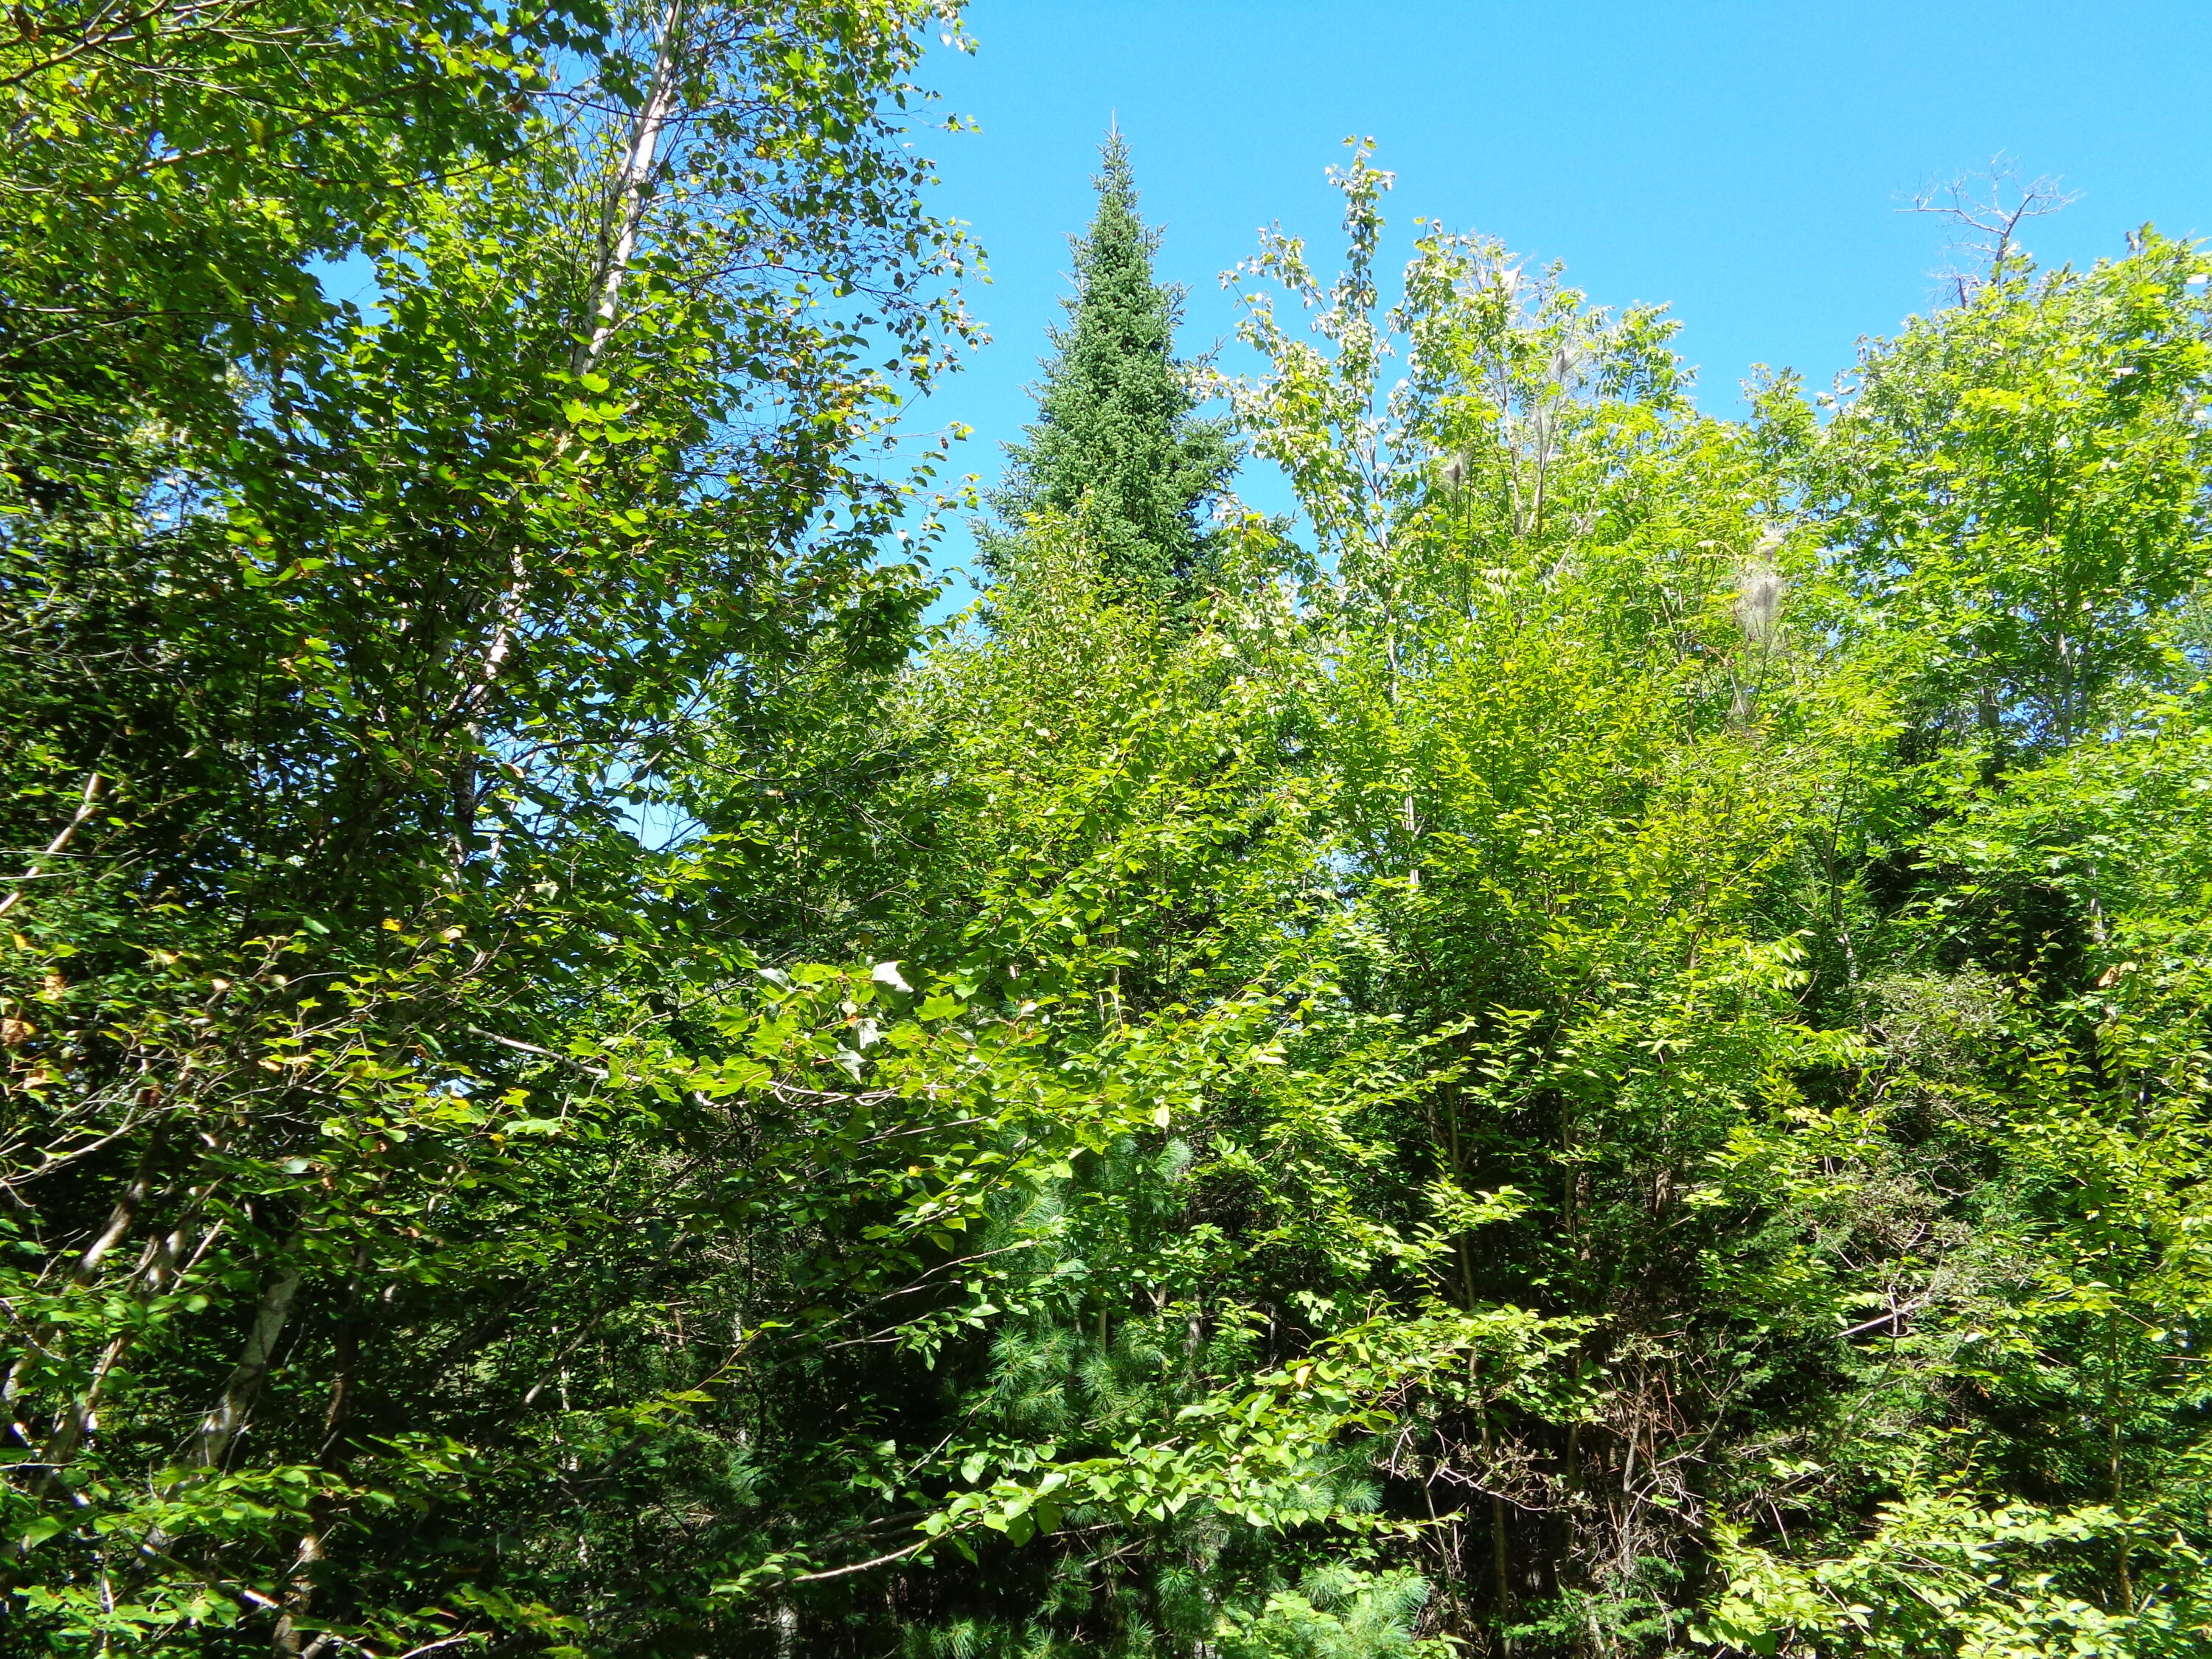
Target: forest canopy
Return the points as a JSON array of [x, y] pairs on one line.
[[1595, 1044]]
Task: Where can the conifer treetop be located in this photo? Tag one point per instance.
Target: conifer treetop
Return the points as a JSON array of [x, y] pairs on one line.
[[1116, 444]]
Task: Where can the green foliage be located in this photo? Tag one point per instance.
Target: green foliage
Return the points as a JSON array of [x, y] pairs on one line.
[[343, 642], [2018, 486], [1598, 1049], [1115, 443], [1940, 1575], [1336, 1613]]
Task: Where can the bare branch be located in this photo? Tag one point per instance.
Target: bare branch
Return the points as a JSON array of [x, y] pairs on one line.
[[1986, 209], [520, 1046], [861, 1566], [86, 805]]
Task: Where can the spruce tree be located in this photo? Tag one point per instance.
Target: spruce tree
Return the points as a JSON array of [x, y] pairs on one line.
[[1115, 440]]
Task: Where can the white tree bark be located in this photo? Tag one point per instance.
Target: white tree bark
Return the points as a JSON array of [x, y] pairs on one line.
[[634, 182]]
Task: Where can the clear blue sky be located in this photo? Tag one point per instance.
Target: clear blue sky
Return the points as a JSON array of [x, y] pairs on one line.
[[1741, 160]]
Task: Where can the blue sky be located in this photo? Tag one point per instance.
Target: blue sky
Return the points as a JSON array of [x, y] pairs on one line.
[[1742, 162]]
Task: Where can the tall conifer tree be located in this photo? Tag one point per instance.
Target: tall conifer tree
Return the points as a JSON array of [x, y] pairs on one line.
[[1115, 438]]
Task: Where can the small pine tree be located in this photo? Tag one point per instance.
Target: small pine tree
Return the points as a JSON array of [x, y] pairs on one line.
[[1115, 442]]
